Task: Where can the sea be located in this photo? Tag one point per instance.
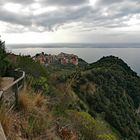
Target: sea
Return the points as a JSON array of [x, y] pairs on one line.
[[129, 52]]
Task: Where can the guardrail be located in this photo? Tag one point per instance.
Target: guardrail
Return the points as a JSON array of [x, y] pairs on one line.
[[16, 85]]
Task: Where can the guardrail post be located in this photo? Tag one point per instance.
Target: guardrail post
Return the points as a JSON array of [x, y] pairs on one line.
[[16, 94], [1, 95], [23, 82], [1, 92]]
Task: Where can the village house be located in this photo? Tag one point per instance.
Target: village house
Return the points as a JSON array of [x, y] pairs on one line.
[[74, 60], [68, 58], [61, 58]]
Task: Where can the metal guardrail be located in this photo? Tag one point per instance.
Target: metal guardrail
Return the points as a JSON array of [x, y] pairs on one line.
[[17, 85], [15, 82]]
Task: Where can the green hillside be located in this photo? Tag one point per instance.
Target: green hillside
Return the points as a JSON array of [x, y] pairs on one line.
[[111, 88]]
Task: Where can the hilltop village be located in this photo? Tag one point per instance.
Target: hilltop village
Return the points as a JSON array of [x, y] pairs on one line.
[[61, 58]]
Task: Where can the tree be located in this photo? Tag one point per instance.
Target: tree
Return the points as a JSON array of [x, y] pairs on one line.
[[3, 60]]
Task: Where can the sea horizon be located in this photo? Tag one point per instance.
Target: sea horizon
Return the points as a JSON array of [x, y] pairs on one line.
[[73, 45]]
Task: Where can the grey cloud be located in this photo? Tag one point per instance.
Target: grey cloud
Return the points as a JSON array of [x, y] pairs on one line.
[[89, 17], [106, 2], [25, 2], [16, 29], [13, 18], [109, 2], [65, 2], [58, 18]]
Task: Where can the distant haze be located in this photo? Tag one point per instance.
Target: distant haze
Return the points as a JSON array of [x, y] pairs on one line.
[[68, 21]]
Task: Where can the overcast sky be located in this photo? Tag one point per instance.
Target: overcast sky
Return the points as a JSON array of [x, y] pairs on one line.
[[52, 21]]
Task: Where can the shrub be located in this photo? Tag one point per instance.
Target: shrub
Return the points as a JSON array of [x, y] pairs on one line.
[[31, 67], [90, 128], [106, 137], [41, 84]]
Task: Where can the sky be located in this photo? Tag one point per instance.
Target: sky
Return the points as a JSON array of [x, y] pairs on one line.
[[70, 21]]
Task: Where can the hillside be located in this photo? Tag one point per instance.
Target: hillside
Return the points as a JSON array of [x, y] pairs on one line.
[[111, 89], [97, 101]]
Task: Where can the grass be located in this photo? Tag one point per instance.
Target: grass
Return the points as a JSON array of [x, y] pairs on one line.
[[31, 120], [29, 100], [39, 100], [25, 102], [34, 111], [7, 119]]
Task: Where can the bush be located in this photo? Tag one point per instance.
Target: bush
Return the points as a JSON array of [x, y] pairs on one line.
[[41, 85]]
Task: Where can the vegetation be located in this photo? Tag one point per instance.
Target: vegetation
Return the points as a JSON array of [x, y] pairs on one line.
[[36, 73], [90, 128], [31, 120], [4, 64], [31, 67], [109, 86], [87, 102]]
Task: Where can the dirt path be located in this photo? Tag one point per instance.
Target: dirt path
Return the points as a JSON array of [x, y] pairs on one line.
[[6, 81]]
